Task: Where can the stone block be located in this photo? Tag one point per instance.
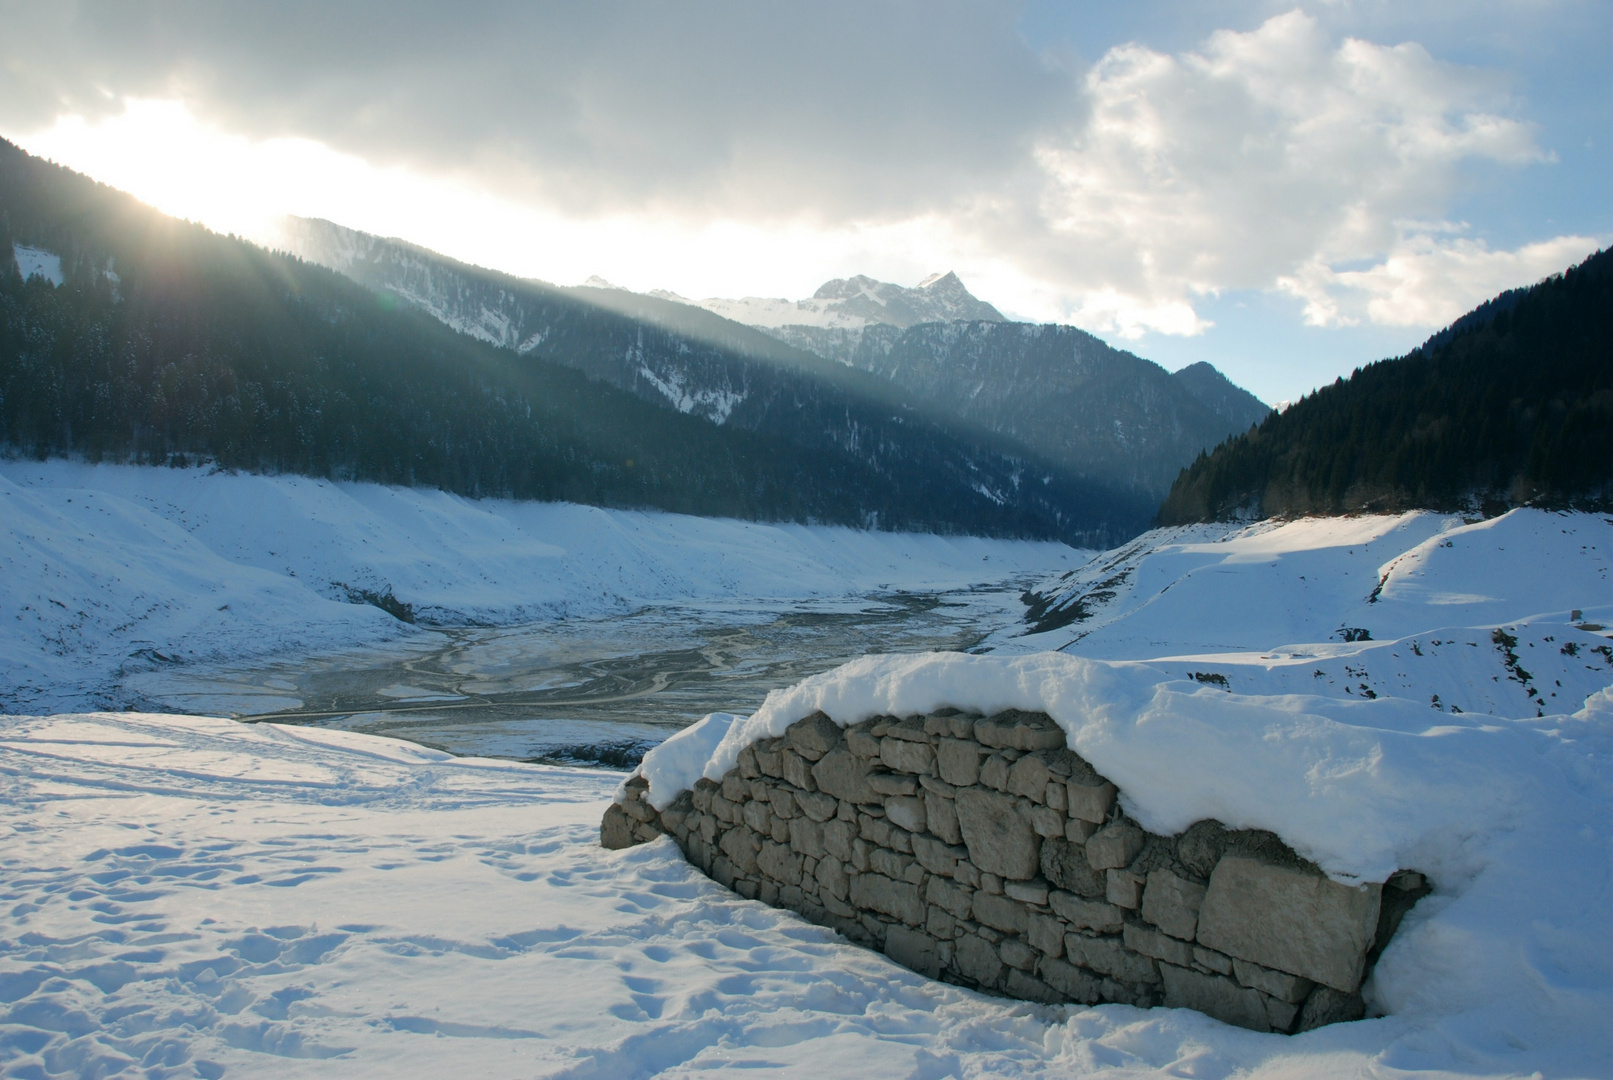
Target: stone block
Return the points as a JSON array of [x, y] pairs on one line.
[[1022, 985], [1290, 920], [936, 857], [976, 960], [1019, 731], [1214, 995], [994, 772], [890, 863], [958, 761], [1109, 956], [767, 760], [898, 899], [616, 830], [1124, 889], [700, 795], [782, 800], [1172, 904], [1329, 1006], [1077, 831], [1017, 954], [940, 924], [806, 837], [1090, 802], [1065, 865], [844, 776], [779, 863], [837, 838], [1045, 933], [1029, 777], [914, 950], [832, 880], [1000, 913], [1219, 963], [813, 737], [757, 816], [1056, 795], [734, 788], [954, 899], [747, 766], [901, 840], [906, 811], [1047, 821], [779, 829], [999, 838], [1027, 892], [949, 722], [859, 742], [876, 830], [1281, 1014], [1084, 914], [1279, 984], [1072, 982], [890, 783], [941, 815], [740, 845], [1114, 845], [797, 770], [899, 755], [859, 854], [816, 805], [1141, 939]]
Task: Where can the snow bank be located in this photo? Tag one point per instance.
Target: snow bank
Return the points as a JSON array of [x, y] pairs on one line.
[[111, 567]]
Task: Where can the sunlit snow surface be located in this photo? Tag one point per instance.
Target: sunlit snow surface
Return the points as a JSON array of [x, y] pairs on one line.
[[188, 896]]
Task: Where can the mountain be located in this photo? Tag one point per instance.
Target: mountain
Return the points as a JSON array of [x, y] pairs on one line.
[[852, 303], [1510, 405], [165, 342], [1222, 396], [1061, 392], [693, 361]]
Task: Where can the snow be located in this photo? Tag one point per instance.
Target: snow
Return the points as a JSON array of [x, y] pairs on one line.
[[107, 569], [192, 896], [32, 261]]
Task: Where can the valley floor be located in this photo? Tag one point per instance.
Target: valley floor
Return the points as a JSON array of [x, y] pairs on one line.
[[185, 896]]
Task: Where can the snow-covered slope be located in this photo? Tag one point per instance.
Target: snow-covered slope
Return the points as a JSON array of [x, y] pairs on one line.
[[850, 303], [109, 569]]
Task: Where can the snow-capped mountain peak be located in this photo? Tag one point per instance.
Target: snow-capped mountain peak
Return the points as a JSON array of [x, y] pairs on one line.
[[855, 302]]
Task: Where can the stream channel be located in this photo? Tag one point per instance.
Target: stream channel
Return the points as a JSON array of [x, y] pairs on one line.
[[585, 691]]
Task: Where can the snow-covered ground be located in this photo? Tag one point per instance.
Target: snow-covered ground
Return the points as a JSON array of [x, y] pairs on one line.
[[108, 571], [187, 896]]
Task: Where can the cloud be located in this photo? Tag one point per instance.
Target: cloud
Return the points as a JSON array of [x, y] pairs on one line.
[[1239, 164], [1119, 195], [1427, 279]]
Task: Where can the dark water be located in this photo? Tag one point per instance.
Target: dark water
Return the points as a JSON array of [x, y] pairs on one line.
[[596, 690]]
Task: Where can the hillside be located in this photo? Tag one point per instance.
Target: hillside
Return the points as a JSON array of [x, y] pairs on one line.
[[164, 342], [1511, 405]]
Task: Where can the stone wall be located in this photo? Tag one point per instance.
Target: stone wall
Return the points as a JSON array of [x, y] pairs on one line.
[[982, 851]]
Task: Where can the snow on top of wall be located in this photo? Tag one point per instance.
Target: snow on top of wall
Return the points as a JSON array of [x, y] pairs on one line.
[[33, 261]]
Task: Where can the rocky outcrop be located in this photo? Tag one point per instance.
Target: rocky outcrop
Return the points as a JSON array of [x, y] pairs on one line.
[[982, 851]]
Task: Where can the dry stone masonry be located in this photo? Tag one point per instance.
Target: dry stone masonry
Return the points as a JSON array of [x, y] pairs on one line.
[[982, 851]]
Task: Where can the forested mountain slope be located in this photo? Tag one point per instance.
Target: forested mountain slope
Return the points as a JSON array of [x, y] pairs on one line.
[[1511, 405], [165, 341]]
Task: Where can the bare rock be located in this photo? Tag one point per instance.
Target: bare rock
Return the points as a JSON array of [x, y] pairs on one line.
[[1000, 839], [1290, 920]]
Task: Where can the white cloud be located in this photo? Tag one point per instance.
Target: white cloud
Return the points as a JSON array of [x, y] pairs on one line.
[[1427, 280], [1262, 159], [763, 149]]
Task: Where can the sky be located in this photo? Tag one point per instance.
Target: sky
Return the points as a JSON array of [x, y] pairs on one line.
[[1286, 191]]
